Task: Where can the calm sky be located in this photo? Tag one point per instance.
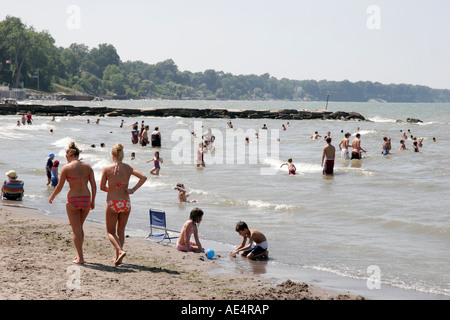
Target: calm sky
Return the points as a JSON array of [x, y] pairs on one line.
[[401, 41]]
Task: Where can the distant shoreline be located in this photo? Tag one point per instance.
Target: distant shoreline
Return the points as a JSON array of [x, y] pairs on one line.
[[69, 110]]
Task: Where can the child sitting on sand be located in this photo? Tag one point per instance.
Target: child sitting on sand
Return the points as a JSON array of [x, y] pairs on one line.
[[290, 165], [182, 195], [251, 251], [190, 227]]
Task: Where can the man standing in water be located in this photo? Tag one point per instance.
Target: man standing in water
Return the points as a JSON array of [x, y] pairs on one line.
[[329, 152], [343, 146], [356, 145]]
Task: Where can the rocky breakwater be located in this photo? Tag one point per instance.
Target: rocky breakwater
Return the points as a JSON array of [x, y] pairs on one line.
[[68, 110]]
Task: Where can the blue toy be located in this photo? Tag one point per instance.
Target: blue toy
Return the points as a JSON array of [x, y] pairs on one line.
[[209, 253]]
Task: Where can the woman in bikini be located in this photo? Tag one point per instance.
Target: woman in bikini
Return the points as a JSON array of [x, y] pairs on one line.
[[79, 199], [115, 179]]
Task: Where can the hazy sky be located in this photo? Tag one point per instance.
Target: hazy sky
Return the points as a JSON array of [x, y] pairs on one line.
[[389, 41]]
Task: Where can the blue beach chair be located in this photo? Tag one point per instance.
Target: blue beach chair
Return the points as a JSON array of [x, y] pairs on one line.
[[158, 221]]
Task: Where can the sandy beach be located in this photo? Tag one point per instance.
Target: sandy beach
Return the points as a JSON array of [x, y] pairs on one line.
[[36, 253]]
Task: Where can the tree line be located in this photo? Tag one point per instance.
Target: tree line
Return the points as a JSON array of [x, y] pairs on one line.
[[30, 58]]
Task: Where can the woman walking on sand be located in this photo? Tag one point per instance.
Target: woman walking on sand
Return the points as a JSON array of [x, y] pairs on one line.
[[79, 199], [115, 179]]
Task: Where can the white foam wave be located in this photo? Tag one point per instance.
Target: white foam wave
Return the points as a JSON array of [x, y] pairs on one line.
[[363, 132], [381, 119], [308, 168], [154, 183], [275, 164], [183, 123], [43, 126], [426, 123], [64, 142], [99, 165], [199, 192], [11, 134], [267, 205]]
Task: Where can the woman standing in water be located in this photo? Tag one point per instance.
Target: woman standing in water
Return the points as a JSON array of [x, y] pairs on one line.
[[115, 179], [79, 199]]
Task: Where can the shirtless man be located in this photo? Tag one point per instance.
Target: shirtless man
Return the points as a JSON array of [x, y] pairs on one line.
[[315, 135], [356, 145], [343, 146], [328, 155], [145, 140]]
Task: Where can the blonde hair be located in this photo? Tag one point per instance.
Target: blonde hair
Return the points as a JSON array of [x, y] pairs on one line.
[[117, 152], [73, 150]]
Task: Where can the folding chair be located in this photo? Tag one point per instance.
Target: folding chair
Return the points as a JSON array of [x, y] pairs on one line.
[[158, 221]]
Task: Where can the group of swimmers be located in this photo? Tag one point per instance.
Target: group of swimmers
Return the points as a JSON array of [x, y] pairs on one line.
[[115, 181], [141, 136], [328, 154]]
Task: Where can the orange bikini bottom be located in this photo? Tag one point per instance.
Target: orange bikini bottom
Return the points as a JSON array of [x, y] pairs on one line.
[[119, 205]]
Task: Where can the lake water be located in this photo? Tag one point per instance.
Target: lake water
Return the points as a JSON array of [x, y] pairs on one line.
[[382, 215]]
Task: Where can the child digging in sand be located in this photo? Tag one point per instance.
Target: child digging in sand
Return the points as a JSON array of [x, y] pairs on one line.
[[251, 251]]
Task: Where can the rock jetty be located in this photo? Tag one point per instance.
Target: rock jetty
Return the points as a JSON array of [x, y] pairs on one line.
[[68, 110]]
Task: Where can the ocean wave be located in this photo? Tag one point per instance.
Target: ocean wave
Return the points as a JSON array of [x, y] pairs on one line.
[[268, 205], [427, 123], [411, 227], [9, 133], [99, 162], [364, 172], [381, 119], [302, 167], [363, 132], [199, 192], [64, 142], [37, 127], [387, 280], [183, 123]]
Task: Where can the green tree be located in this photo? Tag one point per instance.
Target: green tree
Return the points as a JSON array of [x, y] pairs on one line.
[[42, 59], [71, 62], [99, 58], [15, 42], [117, 84], [31, 52]]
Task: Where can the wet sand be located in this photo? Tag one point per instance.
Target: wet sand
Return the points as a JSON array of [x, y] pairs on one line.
[[36, 253]]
